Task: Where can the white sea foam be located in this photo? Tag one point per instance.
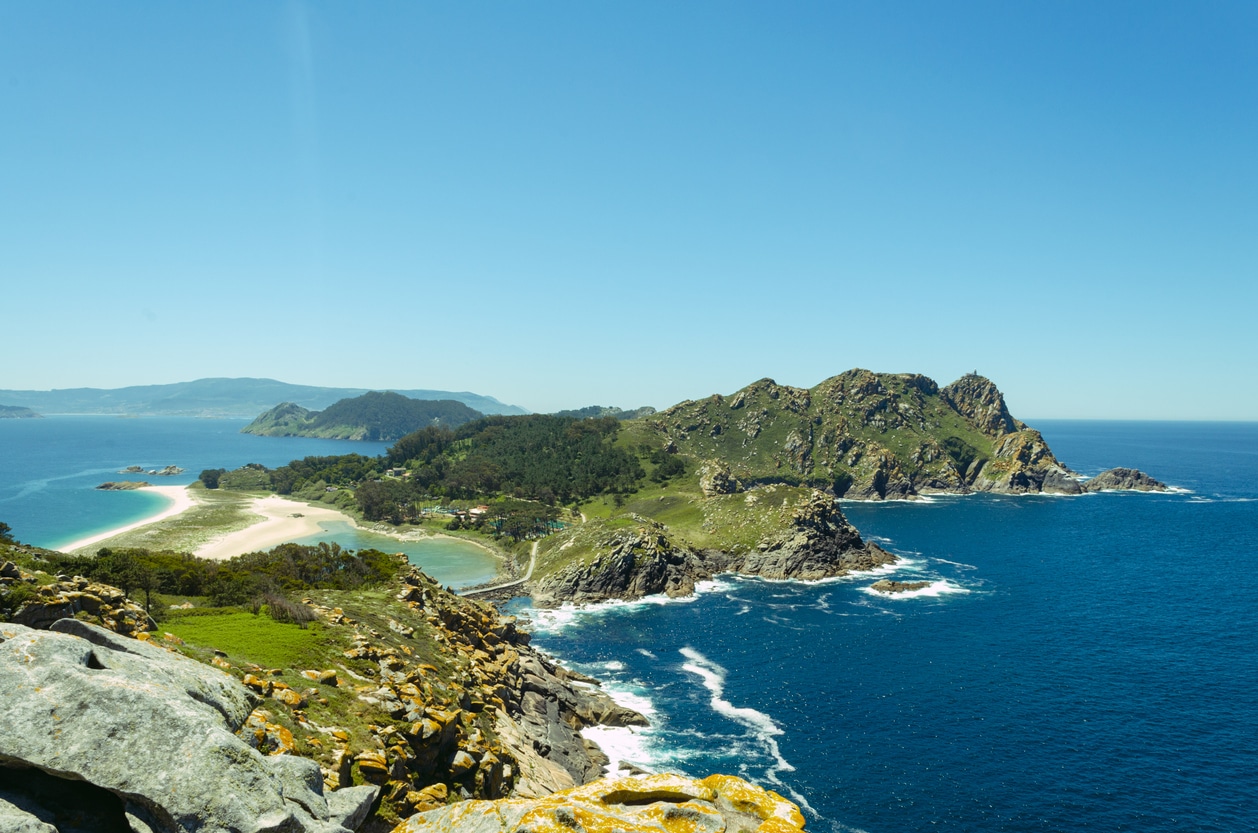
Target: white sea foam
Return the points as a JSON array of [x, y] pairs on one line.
[[627, 744], [956, 563], [933, 590], [646, 653], [613, 665], [761, 726]]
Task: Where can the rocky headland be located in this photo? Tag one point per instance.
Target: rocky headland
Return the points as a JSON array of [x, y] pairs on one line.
[[627, 558], [871, 436]]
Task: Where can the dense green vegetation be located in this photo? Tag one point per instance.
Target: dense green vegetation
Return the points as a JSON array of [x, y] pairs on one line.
[[271, 576], [522, 466], [599, 411], [376, 416]]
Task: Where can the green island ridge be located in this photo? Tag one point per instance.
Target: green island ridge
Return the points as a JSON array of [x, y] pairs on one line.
[[17, 412], [378, 416], [314, 688]]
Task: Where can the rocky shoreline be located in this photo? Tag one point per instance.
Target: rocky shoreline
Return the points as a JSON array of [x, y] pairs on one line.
[[646, 559]]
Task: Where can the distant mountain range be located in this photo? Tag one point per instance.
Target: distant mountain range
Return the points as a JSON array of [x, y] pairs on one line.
[[217, 398]]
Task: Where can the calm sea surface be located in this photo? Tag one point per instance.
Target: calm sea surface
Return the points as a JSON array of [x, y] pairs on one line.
[[1083, 663], [49, 470]]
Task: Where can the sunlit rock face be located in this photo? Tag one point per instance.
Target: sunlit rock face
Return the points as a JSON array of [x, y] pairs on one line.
[[651, 804]]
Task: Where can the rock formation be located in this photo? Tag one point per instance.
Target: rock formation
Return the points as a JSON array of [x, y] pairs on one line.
[[1121, 479], [888, 586], [644, 559], [653, 804], [819, 543], [154, 732]]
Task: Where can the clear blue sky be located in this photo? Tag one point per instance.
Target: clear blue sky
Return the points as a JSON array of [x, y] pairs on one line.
[[562, 204]]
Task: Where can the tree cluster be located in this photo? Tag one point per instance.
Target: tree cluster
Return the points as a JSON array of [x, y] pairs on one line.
[[288, 568]]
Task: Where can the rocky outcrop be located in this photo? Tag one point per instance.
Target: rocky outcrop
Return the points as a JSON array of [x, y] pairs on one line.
[[653, 804], [63, 598], [889, 587], [1124, 480], [982, 404], [123, 485], [715, 479], [1024, 463], [646, 559], [505, 721], [640, 561], [819, 543], [155, 733]]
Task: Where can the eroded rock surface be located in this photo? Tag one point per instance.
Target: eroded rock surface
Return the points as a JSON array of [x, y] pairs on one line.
[[155, 732], [652, 804]]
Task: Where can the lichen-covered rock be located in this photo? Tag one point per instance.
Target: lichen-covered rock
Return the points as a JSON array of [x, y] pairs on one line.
[[84, 704], [1024, 463], [77, 596], [715, 478], [652, 804]]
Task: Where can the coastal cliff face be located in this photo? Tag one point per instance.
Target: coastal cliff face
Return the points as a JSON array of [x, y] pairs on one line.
[[786, 534], [869, 436]]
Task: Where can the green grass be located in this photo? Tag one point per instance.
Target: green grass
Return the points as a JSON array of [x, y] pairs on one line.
[[249, 638]]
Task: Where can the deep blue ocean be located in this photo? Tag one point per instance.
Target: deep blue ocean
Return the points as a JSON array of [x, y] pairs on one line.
[[50, 468], [1086, 663]]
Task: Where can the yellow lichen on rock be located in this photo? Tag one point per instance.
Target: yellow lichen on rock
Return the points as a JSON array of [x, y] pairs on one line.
[[755, 801], [651, 804]]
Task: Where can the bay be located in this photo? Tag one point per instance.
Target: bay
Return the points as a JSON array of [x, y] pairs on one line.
[[50, 468]]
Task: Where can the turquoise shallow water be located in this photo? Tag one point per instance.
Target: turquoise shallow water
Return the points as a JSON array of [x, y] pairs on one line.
[[1077, 663], [452, 562], [49, 469]]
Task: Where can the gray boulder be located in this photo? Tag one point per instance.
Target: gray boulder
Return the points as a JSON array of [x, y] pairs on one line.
[[156, 731]]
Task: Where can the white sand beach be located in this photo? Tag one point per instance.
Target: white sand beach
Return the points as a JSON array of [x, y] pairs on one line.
[[278, 525], [181, 501]]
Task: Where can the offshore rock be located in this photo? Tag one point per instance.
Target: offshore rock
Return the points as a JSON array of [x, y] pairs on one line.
[[888, 586], [1124, 480], [653, 804], [154, 731]]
